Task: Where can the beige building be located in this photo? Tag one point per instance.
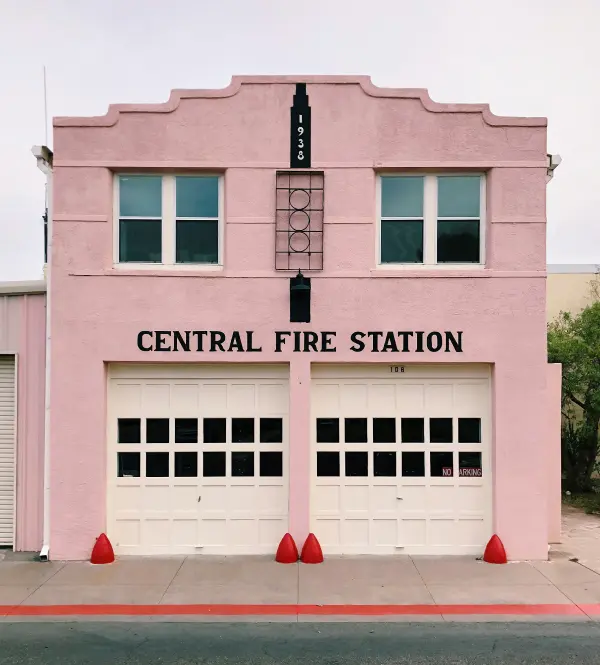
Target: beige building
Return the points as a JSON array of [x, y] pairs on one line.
[[570, 288]]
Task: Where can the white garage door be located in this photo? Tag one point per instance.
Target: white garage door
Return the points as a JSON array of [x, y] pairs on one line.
[[401, 459], [197, 459], [7, 449]]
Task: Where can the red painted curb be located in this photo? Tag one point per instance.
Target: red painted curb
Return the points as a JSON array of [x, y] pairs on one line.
[[296, 610]]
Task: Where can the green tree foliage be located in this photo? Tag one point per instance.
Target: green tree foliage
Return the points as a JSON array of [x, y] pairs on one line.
[[574, 341]]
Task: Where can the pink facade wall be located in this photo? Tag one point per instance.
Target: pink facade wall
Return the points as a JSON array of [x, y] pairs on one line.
[[23, 332], [243, 131]]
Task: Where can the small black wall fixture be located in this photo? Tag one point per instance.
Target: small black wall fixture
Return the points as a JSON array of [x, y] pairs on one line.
[[300, 299]]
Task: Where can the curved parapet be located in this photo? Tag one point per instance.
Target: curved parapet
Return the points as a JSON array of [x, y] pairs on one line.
[[368, 87]]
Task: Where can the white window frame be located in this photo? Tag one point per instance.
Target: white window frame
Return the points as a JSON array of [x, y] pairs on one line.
[[168, 224], [430, 220]]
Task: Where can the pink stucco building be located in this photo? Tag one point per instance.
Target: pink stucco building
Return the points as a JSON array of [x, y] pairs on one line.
[[300, 304]]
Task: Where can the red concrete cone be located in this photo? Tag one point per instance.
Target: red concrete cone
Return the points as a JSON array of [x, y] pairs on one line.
[[494, 551], [103, 551], [287, 552], [311, 552]]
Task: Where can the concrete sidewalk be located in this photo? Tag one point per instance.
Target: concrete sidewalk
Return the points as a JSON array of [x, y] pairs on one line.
[[433, 587]]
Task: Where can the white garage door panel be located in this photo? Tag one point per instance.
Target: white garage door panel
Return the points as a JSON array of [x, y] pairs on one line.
[[401, 461], [223, 491], [7, 449]]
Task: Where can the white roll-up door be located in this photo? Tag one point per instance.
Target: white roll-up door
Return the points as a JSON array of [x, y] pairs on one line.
[[7, 449]]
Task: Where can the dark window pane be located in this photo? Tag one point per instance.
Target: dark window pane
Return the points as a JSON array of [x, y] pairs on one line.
[[242, 430], [440, 430], [186, 430], [157, 430], [413, 464], [215, 430], [458, 241], [140, 240], [384, 464], [413, 430], [469, 430], [401, 241], [197, 242], [271, 464], [469, 465], [328, 464], [355, 430], [129, 430], [384, 430], [242, 464], [441, 465], [197, 196], [213, 465], [271, 430], [328, 430], [186, 465], [128, 465], [357, 464], [157, 465]]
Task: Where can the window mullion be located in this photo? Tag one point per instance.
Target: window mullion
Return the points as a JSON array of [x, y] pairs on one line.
[[430, 220], [168, 220]]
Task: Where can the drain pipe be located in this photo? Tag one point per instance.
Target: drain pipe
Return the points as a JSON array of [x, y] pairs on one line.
[[44, 156]]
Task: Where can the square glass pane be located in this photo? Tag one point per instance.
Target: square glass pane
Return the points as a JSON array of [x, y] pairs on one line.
[[413, 430], [401, 242], [271, 430], [140, 241], [328, 430], [157, 430], [440, 430], [128, 465], [157, 465], [384, 464], [459, 196], [413, 464], [442, 465], [469, 430], [186, 465], [140, 196], [129, 430], [357, 464], [242, 430], [242, 464], [328, 464], [458, 241], [197, 241], [402, 196], [213, 464], [271, 464], [186, 430], [355, 430], [469, 465], [215, 430], [197, 196], [384, 430]]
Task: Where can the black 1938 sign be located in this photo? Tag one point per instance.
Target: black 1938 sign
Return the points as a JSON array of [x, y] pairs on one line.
[[300, 130]]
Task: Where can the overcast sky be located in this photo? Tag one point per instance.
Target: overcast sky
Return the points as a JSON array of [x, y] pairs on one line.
[[523, 57]]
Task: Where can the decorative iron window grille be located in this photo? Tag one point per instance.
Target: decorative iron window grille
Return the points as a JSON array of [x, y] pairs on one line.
[[299, 207]]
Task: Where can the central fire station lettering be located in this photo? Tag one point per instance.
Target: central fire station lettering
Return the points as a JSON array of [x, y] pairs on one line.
[[299, 341]]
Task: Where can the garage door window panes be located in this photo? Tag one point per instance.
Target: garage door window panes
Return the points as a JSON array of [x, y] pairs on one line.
[[170, 220]]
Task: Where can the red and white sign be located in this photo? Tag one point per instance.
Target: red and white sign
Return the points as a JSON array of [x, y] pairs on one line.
[[446, 471], [470, 473]]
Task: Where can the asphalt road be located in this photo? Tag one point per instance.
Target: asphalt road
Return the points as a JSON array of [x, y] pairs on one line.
[[315, 644]]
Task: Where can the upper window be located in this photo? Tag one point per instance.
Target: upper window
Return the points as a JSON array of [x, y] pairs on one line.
[[432, 220], [169, 220]]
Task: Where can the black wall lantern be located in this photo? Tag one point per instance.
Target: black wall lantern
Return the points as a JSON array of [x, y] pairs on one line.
[[300, 299]]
